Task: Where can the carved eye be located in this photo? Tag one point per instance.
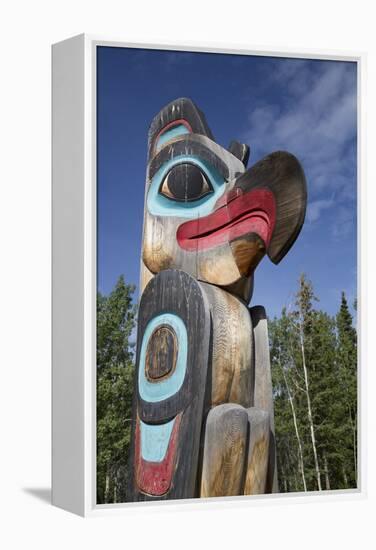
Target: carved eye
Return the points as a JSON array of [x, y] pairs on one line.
[[185, 182]]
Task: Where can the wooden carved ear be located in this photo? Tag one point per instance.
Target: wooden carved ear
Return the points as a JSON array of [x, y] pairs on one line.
[[179, 117], [282, 174], [240, 151]]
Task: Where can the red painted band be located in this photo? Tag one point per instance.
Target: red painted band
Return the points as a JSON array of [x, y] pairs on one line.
[[252, 212], [172, 125], [154, 478]]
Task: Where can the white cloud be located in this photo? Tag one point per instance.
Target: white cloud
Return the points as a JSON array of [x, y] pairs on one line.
[[345, 223], [315, 208], [317, 123]]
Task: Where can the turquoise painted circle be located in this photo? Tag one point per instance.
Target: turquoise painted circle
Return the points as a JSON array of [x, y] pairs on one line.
[[153, 392], [158, 205]]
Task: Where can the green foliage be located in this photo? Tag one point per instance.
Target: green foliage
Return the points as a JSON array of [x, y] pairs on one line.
[[314, 370], [115, 368]]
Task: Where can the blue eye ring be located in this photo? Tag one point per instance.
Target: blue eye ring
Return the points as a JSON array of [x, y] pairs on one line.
[[160, 205], [188, 183]]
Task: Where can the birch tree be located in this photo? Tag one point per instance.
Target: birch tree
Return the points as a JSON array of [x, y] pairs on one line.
[[314, 370], [304, 324], [282, 362]]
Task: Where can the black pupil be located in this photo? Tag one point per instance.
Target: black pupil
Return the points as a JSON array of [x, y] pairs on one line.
[[185, 182]]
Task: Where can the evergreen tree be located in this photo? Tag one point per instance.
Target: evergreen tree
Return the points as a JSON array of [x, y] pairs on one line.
[[325, 395], [115, 322], [286, 406], [314, 371], [304, 321], [313, 357], [347, 366]]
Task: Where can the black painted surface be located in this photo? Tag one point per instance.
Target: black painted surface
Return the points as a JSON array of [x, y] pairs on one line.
[[182, 108], [281, 173], [173, 291]]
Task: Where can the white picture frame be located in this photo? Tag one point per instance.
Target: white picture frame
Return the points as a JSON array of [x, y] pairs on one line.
[[74, 277]]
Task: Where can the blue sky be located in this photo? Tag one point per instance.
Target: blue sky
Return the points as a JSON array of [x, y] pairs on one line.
[[307, 107]]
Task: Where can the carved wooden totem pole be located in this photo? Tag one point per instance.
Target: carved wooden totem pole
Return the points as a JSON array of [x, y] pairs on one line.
[[203, 420]]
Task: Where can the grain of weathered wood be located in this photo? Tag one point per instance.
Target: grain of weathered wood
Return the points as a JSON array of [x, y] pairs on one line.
[[177, 293], [263, 390], [258, 452], [282, 173], [198, 263], [179, 109], [224, 451], [160, 247], [161, 354], [200, 147], [248, 251], [161, 251], [232, 348], [243, 288], [240, 150], [145, 276], [226, 264]]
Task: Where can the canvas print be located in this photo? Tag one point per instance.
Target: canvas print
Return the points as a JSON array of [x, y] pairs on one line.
[[227, 275]]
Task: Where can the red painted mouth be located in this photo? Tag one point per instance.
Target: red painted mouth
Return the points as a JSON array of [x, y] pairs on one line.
[[252, 212], [154, 478]]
